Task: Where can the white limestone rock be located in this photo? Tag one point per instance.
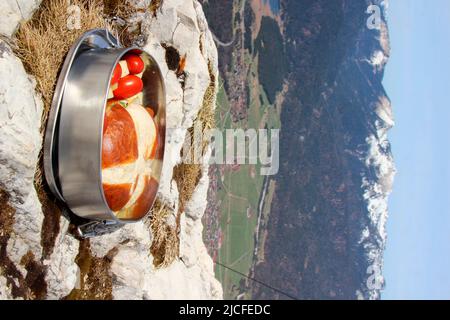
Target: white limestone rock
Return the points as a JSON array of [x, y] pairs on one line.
[[62, 270], [14, 11], [5, 292], [20, 143], [138, 233]]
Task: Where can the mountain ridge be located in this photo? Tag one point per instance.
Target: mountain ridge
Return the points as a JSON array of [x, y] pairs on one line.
[[342, 178]]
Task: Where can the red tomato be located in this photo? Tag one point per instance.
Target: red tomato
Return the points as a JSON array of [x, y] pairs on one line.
[[135, 51], [128, 87], [116, 74], [134, 63]]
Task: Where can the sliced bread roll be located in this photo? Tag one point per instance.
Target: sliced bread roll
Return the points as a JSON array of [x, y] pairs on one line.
[[129, 136]]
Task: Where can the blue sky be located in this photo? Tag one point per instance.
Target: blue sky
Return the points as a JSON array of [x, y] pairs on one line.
[[417, 79]]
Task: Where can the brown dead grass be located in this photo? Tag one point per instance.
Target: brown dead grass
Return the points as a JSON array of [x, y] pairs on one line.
[[187, 177], [165, 244], [155, 5], [206, 116], [95, 278], [43, 42]]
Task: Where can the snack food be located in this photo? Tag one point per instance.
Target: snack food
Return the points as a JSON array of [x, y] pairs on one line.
[[135, 63], [130, 142], [128, 87]]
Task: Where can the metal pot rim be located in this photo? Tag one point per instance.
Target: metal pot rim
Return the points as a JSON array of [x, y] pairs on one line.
[[93, 39], [50, 132]]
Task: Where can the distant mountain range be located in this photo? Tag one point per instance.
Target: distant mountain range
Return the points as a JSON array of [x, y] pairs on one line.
[[325, 235]]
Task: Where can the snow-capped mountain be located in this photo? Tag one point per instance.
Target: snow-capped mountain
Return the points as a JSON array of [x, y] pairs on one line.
[[327, 228]]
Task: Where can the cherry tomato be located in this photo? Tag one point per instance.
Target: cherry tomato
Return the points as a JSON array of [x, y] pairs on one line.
[[134, 63], [135, 51], [116, 74], [128, 87]]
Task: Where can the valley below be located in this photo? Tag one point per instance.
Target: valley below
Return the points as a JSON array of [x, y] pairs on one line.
[[316, 229]]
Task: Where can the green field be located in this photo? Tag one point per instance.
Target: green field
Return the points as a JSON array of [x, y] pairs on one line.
[[240, 189], [239, 193]]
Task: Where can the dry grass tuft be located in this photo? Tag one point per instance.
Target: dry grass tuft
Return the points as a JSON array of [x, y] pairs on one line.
[[95, 279], [43, 42], [155, 5], [187, 177], [165, 244], [206, 116]]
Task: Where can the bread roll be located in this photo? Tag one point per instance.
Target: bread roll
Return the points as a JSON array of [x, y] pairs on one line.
[[129, 137]]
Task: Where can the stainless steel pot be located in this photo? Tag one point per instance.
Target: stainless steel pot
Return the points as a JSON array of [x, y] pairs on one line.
[[73, 141]]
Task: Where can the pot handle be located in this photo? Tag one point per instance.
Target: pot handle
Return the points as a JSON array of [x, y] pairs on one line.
[[98, 228], [116, 42]]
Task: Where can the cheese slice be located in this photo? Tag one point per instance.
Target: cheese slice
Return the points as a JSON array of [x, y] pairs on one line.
[[124, 66], [145, 129]]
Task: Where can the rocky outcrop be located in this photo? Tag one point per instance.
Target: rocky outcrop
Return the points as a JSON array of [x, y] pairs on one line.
[[13, 11], [20, 143], [122, 258]]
